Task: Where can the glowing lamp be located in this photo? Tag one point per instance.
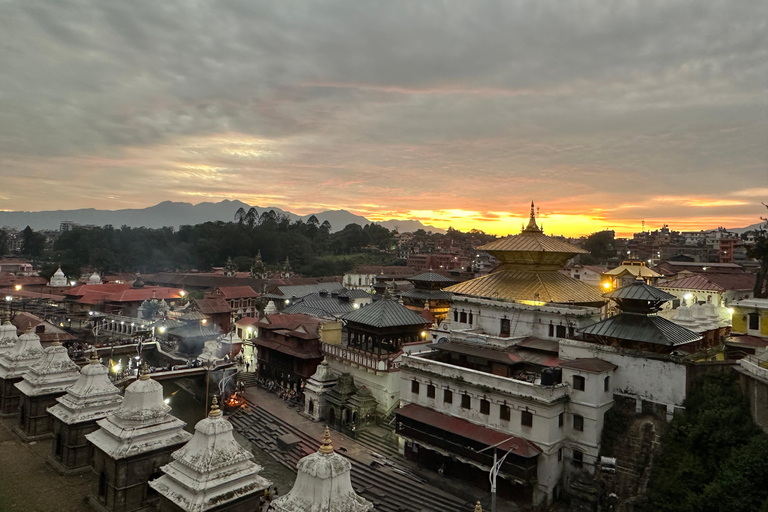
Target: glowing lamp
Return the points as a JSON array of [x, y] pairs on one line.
[[18, 287], [730, 311], [688, 296], [162, 328], [607, 286]]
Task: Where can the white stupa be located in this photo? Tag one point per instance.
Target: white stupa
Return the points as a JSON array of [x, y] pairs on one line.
[[95, 278], [17, 360], [141, 424], [270, 309], [706, 322], [322, 484], [51, 374], [8, 336], [683, 316], [212, 470], [92, 397], [58, 278]]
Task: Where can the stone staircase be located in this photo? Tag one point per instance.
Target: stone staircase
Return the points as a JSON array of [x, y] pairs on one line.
[[390, 486], [250, 378]]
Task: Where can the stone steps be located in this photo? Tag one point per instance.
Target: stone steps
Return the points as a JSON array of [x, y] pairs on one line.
[[390, 488]]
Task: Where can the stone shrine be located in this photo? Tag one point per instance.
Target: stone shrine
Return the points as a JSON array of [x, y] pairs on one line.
[[130, 446], [323, 484], [45, 381], [14, 363], [211, 473], [91, 398]]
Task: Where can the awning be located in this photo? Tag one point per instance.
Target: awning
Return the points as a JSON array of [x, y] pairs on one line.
[[469, 430], [508, 356], [288, 350]]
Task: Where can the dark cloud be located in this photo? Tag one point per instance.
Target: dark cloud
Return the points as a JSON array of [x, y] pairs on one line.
[[458, 103]]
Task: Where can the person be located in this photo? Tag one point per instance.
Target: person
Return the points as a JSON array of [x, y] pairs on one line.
[[441, 471], [247, 365]]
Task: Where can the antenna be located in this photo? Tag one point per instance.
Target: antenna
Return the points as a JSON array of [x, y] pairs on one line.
[[643, 226]]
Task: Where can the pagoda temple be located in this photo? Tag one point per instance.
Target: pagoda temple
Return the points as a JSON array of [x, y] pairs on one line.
[[638, 326], [323, 484], [45, 381], [14, 363], [427, 294], [130, 446], [90, 399], [211, 473]]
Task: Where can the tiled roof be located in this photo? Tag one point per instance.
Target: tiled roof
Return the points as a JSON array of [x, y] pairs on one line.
[[589, 364], [534, 343], [531, 241], [392, 270], [293, 324], [646, 329], [236, 292], [427, 295], [524, 285], [713, 282], [329, 307], [142, 294], [385, 313], [212, 306], [304, 290]]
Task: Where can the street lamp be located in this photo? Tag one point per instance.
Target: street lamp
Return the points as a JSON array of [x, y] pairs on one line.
[[496, 468]]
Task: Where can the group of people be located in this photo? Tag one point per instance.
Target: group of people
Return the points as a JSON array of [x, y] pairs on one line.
[[265, 500]]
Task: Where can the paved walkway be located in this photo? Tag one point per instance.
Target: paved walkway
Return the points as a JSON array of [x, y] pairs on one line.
[[29, 484]]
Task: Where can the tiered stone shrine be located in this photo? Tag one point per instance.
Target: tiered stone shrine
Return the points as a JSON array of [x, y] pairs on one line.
[[130, 446], [323, 484], [315, 389], [14, 363], [91, 398], [45, 381], [8, 336], [211, 473]]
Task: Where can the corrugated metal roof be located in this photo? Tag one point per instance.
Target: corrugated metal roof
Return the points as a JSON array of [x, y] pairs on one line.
[[524, 285], [355, 293], [329, 306], [712, 282], [638, 290], [303, 290], [427, 295], [432, 277], [385, 313], [489, 437], [589, 364], [646, 329]]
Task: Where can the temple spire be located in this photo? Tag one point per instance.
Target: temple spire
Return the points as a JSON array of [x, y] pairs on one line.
[[532, 220], [215, 411], [478, 508], [144, 371], [326, 448]]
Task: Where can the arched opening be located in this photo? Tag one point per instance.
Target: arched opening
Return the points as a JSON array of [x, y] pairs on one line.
[[332, 417], [102, 483], [311, 407]]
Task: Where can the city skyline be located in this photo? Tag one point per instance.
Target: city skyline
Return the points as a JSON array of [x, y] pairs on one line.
[[455, 115]]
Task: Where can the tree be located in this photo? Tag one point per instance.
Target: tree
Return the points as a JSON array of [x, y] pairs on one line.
[[601, 245], [240, 215], [759, 251], [34, 243]]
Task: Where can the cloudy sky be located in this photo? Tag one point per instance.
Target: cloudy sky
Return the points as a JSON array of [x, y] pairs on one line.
[[459, 113]]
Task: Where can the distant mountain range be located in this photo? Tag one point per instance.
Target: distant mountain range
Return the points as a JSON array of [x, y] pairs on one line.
[[169, 213]]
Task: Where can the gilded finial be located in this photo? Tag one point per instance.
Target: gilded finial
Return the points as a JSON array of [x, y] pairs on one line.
[[478, 508], [215, 411], [144, 371], [326, 448], [94, 357], [532, 220]]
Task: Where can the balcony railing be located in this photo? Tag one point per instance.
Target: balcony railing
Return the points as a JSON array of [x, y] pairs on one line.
[[362, 358]]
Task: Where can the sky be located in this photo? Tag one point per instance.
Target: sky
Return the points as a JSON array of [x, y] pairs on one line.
[[456, 113]]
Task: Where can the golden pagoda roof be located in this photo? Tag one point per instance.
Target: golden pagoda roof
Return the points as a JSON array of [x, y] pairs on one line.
[[636, 268], [524, 285], [531, 248]]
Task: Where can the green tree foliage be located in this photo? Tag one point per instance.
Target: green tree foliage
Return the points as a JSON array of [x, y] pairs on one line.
[[33, 243], [4, 237], [759, 251], [601, 245], [714, 457]]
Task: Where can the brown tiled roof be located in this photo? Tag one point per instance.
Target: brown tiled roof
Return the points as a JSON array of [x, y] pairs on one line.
[[212, 306], [713, 282], [589, 364], [236, 292], [392, 270]]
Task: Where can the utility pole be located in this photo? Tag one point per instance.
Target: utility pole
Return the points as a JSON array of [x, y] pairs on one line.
[[496, 468]]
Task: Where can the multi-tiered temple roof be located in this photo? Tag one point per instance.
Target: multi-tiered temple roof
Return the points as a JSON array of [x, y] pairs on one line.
[[529, 271], [16, 361], [53, 373]]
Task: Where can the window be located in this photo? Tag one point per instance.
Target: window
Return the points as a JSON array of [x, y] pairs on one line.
[[504, 331], [430, 391], [561, 420], [526, 419], [471, 318], [754, 321], [578, 382], [504, 413], [578, 422], [571, 331], [466, 402], [447, 396], [607, 384], [415, 387], [551, 330], [560, 331], [559, 455], [485, 407], [578, 458], [455, 316]]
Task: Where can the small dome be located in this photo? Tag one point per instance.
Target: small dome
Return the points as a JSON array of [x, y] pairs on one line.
[[143, 401], [8, 336], [94, 279]]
